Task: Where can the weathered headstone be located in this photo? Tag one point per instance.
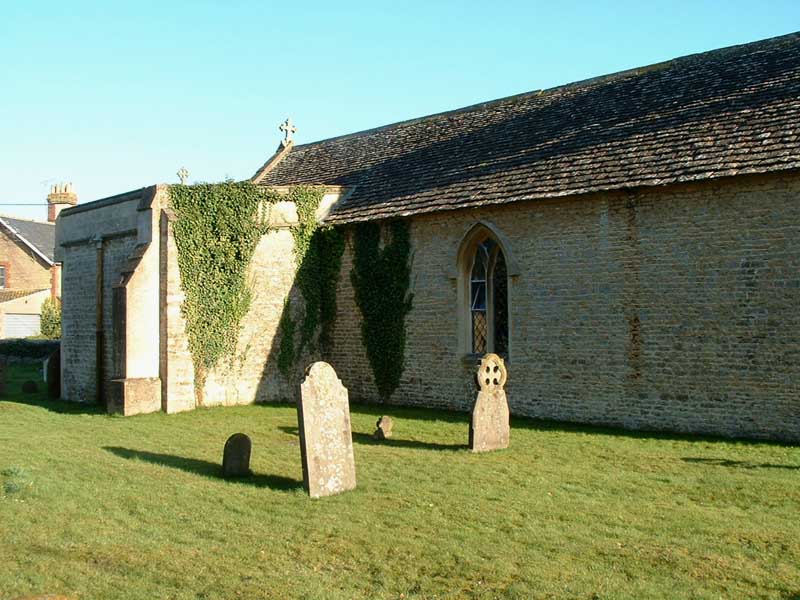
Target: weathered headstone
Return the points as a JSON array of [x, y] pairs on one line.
[[326, 440], [236, 456], [384, 428], [30, 387], [54, 375], [489, 428]]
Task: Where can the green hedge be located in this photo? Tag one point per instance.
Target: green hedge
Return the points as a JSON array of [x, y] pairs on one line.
[[23, 348]]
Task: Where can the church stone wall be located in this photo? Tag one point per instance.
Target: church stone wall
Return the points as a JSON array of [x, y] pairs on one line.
[[78, 324], [670, 308], [114, 235], [177, 371], [252, 374], [116, 253], [80, 234]]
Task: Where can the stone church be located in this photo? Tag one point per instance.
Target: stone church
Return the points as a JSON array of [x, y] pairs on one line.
[[630, 243]]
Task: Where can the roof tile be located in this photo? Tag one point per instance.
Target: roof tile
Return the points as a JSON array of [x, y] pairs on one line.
[[720, 113]]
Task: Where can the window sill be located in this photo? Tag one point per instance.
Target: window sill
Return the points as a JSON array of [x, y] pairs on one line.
[[473, 360]]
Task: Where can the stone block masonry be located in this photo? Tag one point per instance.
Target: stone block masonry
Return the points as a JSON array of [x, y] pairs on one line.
[[674, 308], [103, 246], [667, 308]]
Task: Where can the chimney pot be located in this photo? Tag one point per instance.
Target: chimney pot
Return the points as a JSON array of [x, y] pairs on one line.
[[61, 196]]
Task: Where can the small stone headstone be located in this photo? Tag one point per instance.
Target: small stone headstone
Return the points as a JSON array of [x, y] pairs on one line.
[[30, 387], [236, 456], [326, 440], [489, 428], [384, 428], [54, 375]]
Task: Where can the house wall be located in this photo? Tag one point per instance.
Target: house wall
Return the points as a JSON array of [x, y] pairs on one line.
[[27, 305], [24, 271], [670, 308]]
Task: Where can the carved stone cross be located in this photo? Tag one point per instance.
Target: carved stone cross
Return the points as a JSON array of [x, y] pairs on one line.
[[183, 174], [489, 428], [288, 129]]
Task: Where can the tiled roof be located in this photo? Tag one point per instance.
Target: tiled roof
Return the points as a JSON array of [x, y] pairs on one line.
[[725, 112], [6, 295], [36, 234]]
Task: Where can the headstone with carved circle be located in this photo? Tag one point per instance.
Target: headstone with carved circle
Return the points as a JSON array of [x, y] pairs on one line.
[[489, 428]]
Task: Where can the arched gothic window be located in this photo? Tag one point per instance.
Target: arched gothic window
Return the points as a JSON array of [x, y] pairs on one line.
[[488, 299]]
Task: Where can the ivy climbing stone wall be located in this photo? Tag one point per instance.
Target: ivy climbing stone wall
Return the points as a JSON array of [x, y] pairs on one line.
[[669, 308], [252, 373], [287, 289]]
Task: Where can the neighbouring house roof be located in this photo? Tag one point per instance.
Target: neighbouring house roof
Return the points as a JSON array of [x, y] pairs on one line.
[[720, 113], [6, 295], [38, 236]]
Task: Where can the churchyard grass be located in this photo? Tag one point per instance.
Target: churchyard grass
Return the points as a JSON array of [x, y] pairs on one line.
[[96, 507]]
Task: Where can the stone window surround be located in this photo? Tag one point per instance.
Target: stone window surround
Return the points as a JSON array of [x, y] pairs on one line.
[[4, 279], [461, 274]]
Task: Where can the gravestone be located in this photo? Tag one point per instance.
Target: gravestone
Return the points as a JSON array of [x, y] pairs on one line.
[[236, 456], [326, 441], [54, 375], [384, 428], [3, 376], [489, 428]]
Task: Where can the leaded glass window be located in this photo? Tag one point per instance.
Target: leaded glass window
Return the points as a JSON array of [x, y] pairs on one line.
[[488, 299], [500, 301]]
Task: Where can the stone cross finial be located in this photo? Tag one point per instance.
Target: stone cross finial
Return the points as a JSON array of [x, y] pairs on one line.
[[183, 174], [288, 129]]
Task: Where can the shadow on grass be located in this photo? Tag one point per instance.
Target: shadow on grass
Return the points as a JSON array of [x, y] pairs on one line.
[[738, 464], [535, 424], [205, 468], [518, 422], [368, 440], [63, 407]]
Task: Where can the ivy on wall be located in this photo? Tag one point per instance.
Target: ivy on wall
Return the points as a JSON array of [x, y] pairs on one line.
[[381, 279], [216, 232], [318, 252]]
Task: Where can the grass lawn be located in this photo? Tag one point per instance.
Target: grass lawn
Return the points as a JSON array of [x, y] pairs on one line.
[[95, 507]]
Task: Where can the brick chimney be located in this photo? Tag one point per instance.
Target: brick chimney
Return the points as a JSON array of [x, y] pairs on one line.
[[61, 196]]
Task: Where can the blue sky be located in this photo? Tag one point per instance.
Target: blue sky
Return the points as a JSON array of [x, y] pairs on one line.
[[114, 96]]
